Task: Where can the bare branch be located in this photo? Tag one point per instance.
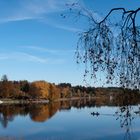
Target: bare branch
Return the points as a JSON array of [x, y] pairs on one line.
[[117, 56]]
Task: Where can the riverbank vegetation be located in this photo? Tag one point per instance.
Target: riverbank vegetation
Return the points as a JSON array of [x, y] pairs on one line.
[[42, 90]]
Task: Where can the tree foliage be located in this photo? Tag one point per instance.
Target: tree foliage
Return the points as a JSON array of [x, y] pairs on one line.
[[4, 78], [37, 90], [110, 47]]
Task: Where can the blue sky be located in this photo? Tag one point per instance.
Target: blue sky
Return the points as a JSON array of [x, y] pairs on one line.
[[37, 44]]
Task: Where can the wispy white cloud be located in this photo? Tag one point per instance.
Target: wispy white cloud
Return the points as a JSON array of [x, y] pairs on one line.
[[22, 56], [37, 10], [41, 10], [33, 9], [67, 28], [15, 18], [51, 51], [29, 57]]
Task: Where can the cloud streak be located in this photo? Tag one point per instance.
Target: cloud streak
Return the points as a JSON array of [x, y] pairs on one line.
[[46, 50], [67, 28], [21, 56], [33, 9], [39, 10]]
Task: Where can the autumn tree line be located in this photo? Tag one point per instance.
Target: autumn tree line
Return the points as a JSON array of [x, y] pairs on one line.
[[41, 90]]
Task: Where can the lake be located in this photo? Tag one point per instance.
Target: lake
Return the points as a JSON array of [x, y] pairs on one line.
[[69, 120]]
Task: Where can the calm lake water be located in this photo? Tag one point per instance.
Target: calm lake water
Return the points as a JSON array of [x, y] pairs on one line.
[[69, 121]]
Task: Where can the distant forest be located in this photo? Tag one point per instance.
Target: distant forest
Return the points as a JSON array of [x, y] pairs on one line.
[[38, 90], [41, 90]]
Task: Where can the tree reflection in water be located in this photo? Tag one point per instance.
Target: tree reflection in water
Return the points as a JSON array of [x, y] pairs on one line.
[[38, 112], [128, 110], [125, 113]]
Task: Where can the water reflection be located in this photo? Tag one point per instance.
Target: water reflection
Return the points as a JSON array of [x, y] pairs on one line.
[[39, 112], [125, 113]]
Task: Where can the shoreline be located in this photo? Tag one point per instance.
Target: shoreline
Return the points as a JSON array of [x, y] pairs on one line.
[[12, 101], [75, 98]]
